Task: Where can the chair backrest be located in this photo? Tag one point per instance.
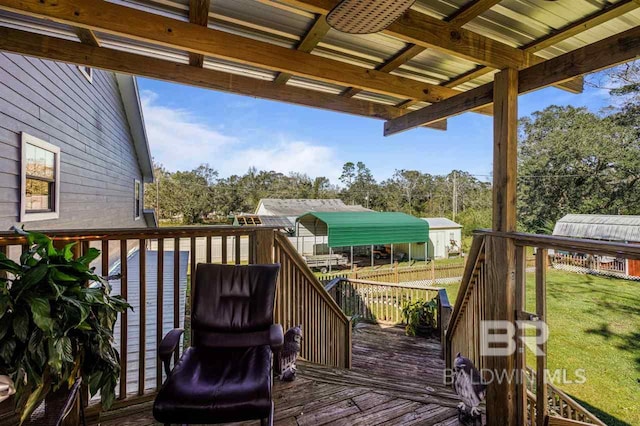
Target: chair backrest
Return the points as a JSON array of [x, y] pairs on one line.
[[231, 300]]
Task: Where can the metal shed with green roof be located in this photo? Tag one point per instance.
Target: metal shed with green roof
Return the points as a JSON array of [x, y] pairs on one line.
[[345, 229]]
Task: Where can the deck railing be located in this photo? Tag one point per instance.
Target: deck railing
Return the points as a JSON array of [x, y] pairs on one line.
[[463, 332], [382, 303], [428, 274], [303, 300], [156, 266], [560, 403], [533, 404]]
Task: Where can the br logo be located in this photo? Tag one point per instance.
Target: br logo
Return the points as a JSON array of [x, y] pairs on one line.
[[499, 338]]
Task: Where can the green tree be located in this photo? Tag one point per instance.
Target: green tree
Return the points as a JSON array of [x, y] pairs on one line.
[[574, 161]]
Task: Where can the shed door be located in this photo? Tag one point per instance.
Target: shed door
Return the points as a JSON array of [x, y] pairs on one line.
[[438, 243]]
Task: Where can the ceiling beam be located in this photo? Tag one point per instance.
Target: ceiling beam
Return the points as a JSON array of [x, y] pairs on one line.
[[139, 25], [610, 12], [309, 42], [470, 11], [424, 30], [87, 37], [395, 62], [606, 53], [198, 15], [459, 18], [31, 44]]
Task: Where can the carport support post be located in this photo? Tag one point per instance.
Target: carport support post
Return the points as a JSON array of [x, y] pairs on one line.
[[352, 258], [410, 253], [330, 257], [392, 256], [372, 255]]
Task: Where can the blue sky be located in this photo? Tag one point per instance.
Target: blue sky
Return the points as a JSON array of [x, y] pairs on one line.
[[188, 126]]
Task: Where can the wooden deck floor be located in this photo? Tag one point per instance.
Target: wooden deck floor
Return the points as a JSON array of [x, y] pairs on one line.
[[395, 380]]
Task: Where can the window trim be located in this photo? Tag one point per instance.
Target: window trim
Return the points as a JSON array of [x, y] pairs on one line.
[[34, 216], [87, 75], [137, 208]]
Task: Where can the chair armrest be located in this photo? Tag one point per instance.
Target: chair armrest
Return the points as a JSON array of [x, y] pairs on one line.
[[168, 346], [276, 337]]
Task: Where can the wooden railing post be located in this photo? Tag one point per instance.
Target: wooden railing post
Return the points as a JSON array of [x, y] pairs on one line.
[[264, 246], [542, 407]]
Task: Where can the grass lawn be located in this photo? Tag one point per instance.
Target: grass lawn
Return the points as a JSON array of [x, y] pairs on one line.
[[595, 325]]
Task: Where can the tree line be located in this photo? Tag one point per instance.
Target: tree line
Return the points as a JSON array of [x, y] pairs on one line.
[[570, 160], [201, 195]]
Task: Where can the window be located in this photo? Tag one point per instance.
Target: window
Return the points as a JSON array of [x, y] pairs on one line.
[[137, 190], [40, 180], [87, 72]]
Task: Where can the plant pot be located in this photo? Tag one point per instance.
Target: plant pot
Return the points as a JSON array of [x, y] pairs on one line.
[[423, 330]]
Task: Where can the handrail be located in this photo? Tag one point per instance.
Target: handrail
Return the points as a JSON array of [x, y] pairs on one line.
[[473, 260], [580, 245], [302, 299], [11, 238], [286, 245], [578, 411]]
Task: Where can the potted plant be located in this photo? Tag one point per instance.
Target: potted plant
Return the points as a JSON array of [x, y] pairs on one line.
[[420, 317], [56, 323]]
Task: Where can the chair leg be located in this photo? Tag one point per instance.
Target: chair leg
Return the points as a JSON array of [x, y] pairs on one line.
[[269, 420]]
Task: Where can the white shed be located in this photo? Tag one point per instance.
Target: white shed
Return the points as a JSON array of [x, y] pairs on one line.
[[445, 238]]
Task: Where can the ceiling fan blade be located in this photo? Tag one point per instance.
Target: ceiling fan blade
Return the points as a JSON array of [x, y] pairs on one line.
[[366, 16]]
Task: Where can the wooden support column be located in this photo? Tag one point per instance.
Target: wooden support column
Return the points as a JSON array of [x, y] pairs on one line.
[[505, 149], [264, 246], [500, 291]]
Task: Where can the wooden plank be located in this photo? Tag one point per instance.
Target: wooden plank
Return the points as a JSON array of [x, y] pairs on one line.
[[123, 320], [542, 408], [159, 307], [142, 339], [209, 250], [470, 11], [611, 51], [424, 30], [264, 246], [87, 37], [520, 305], [198, 15], [609, 12], [498, 304], [482, 96], [157, 29], [192, 274], [237, 253], [224, 249], [417, 28], [395, 62], [26, 43], [309, 42], [505, 150], [176, 290]]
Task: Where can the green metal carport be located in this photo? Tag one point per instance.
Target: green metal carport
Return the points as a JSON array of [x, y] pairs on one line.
[[349, 229]]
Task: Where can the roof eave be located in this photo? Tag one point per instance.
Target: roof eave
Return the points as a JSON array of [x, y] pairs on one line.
[[128, 87]]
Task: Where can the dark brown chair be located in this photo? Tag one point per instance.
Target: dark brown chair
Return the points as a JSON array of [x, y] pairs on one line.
[[226, 375]]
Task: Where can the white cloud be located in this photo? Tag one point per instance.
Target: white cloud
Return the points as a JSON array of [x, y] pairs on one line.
[[179, 140], [286, 156], [176, 137]]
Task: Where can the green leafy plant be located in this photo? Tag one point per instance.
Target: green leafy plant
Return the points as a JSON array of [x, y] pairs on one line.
[[56, 323], [420, 317]]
